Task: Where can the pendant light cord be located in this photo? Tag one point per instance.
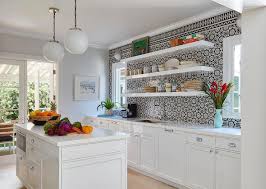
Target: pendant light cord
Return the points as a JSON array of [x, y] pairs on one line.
[[75, 13], [54, 24]]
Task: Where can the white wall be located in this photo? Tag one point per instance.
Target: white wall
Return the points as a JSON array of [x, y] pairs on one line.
[[20, 45], [253, 101], [93, 63]]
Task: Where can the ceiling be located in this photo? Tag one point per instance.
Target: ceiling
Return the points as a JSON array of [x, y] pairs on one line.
[[105, 21]]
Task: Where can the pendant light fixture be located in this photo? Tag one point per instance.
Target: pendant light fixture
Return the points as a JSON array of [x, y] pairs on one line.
[[52, 50], [76, 41]]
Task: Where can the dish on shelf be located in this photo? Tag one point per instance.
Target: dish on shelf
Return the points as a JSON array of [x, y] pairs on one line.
[[149, 89], [188, 65], [172, 64]]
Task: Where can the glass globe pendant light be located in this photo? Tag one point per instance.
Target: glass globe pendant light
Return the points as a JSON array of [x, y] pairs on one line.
[[76, 41], [52, 50]]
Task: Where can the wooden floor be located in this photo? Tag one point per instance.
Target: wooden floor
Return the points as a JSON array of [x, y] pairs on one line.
[[8, 179]]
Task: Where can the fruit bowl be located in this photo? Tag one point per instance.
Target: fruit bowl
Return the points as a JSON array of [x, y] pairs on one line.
[[41, 120]]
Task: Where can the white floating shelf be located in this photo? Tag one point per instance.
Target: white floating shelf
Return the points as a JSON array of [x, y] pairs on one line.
[[171, 72], [191, 93], [198, 45]]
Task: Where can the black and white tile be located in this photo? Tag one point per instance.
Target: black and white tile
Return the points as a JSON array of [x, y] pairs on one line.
[[189, 109]]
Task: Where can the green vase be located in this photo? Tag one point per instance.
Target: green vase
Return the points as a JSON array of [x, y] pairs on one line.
[[218, 119]]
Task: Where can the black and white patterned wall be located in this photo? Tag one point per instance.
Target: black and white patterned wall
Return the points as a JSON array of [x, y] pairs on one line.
[[186, 109]]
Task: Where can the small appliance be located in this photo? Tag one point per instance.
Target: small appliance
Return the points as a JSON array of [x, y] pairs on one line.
[[130, 112]]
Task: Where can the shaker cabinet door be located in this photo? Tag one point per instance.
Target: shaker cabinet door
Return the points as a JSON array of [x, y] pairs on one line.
[[200, 167], [171, 156], [228, 170]]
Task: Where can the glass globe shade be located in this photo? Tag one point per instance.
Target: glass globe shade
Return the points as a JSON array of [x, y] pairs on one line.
[[53, 51], [76, 41]]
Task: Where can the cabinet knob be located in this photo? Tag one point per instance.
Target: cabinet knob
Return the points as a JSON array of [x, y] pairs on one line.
[[169, 130], [32, 140], [232, 145], [31, 168], [20, 158], [211, 150]]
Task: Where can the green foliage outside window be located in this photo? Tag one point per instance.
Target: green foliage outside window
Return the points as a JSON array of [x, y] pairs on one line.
[[9, 99]]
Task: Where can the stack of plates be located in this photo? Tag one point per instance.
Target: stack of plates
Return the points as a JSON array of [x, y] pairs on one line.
[[193, 85], [171, 64], [149, 89], [187, 64]]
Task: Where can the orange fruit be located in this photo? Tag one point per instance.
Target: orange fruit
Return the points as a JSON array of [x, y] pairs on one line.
[[87, 129]]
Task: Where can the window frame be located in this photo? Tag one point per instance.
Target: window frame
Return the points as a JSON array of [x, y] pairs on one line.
[[116, 66], [229, 44]]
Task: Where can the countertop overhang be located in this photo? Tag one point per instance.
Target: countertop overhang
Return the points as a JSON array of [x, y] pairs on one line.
[[98, 135]]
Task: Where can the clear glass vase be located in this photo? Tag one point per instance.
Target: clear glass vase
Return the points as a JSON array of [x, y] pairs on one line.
[[218, 119]]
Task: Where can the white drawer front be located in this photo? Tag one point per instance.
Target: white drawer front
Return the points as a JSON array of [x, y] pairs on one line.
[[201, 139], [96, 149], [33, 141], [34, 175], [34, 154], [229, 144]]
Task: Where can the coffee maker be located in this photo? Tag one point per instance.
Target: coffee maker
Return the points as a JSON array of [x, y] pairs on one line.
[[130, 112]]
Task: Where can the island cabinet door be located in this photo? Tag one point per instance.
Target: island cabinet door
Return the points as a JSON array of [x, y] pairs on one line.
[[171, 155], [103, 172], [21, 166], [228, 170], [200, 167]]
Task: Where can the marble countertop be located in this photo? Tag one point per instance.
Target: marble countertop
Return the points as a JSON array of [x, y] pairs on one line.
[[98, 135], [181, 126]]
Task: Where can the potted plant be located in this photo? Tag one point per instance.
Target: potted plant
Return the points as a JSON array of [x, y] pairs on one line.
[[218, 93], [108, 104]]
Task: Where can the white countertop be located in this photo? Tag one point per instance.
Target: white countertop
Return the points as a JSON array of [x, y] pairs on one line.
[[98, 135], [185, 127]]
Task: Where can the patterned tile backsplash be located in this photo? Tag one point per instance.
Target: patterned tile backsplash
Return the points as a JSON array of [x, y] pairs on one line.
[[188, 109]]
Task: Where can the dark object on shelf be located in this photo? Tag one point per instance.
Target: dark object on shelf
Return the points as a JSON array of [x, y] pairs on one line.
[[140, 46], [131, 111]]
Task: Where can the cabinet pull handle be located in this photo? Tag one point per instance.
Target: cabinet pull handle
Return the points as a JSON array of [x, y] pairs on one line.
[[199, 139], [232, 145], [169, 130]]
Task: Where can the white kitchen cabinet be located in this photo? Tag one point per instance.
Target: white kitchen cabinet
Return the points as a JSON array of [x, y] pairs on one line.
[[21, 166], [171, 155], [34, 175], [148, 148], [107, 172], [133, 152], [200, 167], [228, 170]]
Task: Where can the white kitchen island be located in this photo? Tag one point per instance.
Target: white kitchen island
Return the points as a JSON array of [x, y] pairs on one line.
[[95, 161]]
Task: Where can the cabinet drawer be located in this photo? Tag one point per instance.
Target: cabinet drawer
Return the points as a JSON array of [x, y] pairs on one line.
[[34, 154], [201, 139], [96, 149], [34, 175], [33, 141], [229, 144]]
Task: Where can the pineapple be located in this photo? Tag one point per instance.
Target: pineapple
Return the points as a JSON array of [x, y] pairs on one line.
[[53, 106]]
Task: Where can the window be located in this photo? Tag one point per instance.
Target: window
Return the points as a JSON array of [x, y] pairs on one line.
[[118, 82], [231, 72], [41, 85]]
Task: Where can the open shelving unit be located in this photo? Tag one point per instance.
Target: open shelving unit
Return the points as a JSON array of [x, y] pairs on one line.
[[171, 72], [198, 45], [158, 94]]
